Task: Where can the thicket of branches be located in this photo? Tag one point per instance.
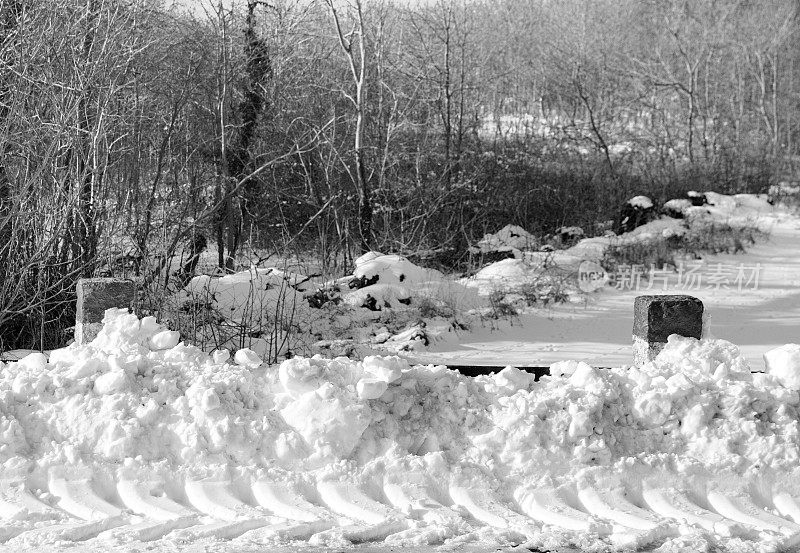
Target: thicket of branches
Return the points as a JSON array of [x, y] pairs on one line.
[[135, 134]]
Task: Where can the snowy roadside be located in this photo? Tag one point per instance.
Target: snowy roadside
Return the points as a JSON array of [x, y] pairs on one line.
[[526, 310], [390, 305], [139, 441], [752, 299]]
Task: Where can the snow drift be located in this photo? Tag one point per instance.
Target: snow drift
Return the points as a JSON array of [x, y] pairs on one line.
[[137, 399]]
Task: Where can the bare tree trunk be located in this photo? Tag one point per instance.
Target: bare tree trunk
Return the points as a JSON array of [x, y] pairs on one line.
[[692, 110], [9, 16], [775, 127], [196, 248], [447, 92], [357, 62], [456, 171], [235, 155], [594, 124], [87, 170]]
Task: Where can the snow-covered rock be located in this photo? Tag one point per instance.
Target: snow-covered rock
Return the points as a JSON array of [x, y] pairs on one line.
[[641, 202], [392, 270], [676, 208], [511, 238]]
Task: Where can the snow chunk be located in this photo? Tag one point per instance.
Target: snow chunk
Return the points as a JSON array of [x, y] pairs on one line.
[[387, 369], [379, 296], [652, 409], [247, 358], [784, 364], [371, 388], [588, 378], [111, 382], [700, 360], [331, 426], [511, 379], [367, 257], [567, 368], [35, 361], [166, 339], [677, 206], [220, 356], [300, 375]]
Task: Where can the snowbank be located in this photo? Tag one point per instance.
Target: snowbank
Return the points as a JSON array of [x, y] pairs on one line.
[[528, 266], [253, 308], [396, 283], [511, 238], [392, 269], [134, 399], [126, 396]]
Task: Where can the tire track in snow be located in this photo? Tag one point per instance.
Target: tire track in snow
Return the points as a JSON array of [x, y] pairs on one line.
[[346, 512]]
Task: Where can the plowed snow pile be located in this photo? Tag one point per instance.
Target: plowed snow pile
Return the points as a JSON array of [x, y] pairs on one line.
[[477, 452]]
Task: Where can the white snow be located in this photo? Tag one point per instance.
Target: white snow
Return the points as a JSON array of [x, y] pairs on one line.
[[784, 190], [401, 284], [679, 205], [784, 364], [413, 455], [570, 231], [257, 305], [385, 295], [345, 427], [166, 339], [247, 358], [388, 369], [371, 388], [510, 238], [642, 202], [392, 269], [596, 327]]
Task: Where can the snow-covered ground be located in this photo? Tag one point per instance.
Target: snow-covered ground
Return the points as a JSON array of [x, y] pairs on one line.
[[138, 441], [388, 304], [752, 299]]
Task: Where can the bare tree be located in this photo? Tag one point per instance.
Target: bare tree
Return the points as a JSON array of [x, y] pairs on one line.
[[354, 49]]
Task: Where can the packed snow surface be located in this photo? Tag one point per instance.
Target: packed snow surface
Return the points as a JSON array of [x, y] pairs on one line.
[[411, 455], [751, 297]]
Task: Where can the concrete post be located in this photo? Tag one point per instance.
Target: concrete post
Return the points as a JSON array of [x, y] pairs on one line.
[[95, 295], [656, 317]]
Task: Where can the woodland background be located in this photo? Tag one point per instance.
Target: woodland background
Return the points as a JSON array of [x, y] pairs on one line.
[[150, 140]]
